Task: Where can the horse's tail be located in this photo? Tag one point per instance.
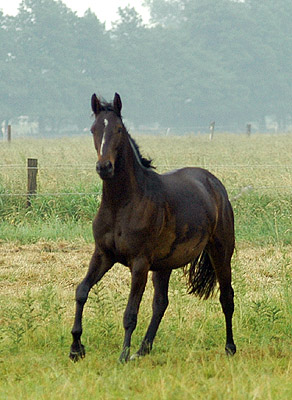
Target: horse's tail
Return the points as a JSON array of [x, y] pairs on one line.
[[201, 276]]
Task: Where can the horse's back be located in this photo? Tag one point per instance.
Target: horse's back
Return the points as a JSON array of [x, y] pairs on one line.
[[193, 176], [198, 198], [194, 187]]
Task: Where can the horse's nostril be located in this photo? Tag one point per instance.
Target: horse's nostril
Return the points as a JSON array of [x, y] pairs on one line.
[[105, 170], [108, 165]]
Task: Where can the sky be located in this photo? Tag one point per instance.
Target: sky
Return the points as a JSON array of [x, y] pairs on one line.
[[105, 10]]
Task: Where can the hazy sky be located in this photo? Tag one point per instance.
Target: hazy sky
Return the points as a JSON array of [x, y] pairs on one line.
[[105, 10]]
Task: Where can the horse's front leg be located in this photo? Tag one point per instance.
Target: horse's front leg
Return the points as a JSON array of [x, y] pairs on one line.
[[160, 302], [98, 266], [139, 271]]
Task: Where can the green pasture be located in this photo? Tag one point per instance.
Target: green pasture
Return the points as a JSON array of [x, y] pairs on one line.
[[45, 250]]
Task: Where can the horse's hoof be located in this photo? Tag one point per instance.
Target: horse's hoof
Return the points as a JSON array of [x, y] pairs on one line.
[[135, 357], [77, 354], [125, 356], [230, 349]]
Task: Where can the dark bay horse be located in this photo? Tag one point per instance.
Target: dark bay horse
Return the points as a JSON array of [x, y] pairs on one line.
[[152, 222]]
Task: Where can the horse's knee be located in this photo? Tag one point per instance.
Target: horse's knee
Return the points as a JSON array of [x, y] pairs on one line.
[[82, 291], [130, 321], [160, 305]]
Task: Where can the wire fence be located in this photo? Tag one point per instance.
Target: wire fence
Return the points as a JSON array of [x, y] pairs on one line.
[[90, 167], [60, 194]]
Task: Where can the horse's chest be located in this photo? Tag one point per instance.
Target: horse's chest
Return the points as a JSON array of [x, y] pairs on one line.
[[119, 238], [130, 225]]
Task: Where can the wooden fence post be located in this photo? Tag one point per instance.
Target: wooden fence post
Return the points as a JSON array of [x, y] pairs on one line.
[[32, 170], [9, 133]]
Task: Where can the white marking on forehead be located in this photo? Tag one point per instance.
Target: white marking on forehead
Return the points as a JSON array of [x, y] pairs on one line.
[[105, 121], [102, 144]]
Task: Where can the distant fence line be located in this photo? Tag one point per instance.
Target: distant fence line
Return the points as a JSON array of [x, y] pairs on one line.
[[242, 128]]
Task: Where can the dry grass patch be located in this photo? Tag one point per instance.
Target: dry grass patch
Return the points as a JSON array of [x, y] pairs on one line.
[[263, 268]]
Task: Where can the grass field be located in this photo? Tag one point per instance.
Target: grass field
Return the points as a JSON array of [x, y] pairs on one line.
[[45, 250]]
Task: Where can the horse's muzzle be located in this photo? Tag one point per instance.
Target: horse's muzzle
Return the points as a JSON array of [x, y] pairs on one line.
[[105, 170]]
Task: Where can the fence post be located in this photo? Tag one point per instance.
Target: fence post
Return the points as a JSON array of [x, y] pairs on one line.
[[9, 133], [32, 170], [248, 130], [212, 127]]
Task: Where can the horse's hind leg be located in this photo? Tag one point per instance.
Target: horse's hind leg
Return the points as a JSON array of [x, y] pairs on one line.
[[221, 261], [160, 302], [98, 266], [226, 300], [139, 274]]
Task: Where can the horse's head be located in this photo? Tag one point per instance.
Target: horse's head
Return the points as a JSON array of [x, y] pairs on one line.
[[108, 131]]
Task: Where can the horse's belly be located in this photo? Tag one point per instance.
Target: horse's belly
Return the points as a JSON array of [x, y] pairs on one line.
[[180, 254]]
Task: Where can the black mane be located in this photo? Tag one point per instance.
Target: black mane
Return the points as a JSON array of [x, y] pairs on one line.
[[147, 163]]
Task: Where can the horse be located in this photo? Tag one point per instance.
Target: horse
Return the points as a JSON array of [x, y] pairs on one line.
[[154, 222]]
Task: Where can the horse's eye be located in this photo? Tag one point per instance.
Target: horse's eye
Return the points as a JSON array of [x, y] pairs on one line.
[[120, 130]]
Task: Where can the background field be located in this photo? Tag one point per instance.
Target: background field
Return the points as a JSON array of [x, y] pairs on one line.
[[44, 253]]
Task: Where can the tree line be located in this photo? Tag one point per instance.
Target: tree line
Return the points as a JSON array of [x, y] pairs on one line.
[[195, 62]]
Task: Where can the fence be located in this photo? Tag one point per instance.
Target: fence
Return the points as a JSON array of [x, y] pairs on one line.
[[32, 171], [248, 129]]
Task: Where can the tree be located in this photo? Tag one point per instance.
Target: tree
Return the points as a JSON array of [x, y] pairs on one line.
[[272, 25], [44, 43], [94, 55], [11, 73], [224, 60], [135, 73]]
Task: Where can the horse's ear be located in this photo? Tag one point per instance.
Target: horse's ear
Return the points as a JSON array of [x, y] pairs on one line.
[[95, 104], [117, 104]]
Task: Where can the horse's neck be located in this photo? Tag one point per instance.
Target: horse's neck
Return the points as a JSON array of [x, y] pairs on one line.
[[128, 180]]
